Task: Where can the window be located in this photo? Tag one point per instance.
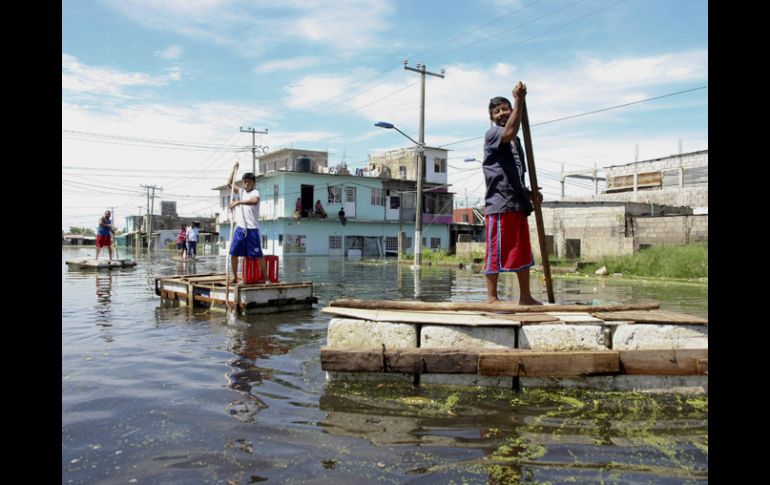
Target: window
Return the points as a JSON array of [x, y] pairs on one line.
[[409, 200], [407, 242], [402, 172], [275, 193], [465, 217], [335, 242], [395, 202], [225, 201], [295, 243], [378, 197], [391, 243], [335, 195], [264, 242], [439, 165], [435, 243]]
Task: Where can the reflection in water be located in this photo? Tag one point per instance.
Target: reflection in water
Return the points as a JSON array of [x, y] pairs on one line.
[[533, 435], [249, 343], [103, 298], [417, 282]]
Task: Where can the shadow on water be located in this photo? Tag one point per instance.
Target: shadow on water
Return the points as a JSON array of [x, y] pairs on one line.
[[176, 395]]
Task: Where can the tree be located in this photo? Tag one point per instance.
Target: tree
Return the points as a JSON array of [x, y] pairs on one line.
[[85, 231]]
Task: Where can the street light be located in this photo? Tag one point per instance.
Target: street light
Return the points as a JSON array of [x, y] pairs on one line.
[[418, 198]]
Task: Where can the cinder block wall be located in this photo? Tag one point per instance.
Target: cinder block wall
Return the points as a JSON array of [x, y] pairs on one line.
[[464, 249], [601, 230], [671, 230]]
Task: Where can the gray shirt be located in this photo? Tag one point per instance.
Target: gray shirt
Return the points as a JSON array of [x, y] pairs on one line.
[[504, 170]]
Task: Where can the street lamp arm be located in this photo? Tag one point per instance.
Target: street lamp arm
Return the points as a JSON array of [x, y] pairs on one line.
[[413, 141], [391, 126]]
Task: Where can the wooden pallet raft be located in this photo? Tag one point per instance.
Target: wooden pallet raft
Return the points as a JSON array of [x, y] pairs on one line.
[[210, 291], [509, 340], [99, 263]]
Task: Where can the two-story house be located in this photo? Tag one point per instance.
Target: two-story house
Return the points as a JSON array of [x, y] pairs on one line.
[[376, 208]]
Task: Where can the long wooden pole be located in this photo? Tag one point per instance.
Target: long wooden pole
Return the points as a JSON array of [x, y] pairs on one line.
[[227, 252], [536, 200]]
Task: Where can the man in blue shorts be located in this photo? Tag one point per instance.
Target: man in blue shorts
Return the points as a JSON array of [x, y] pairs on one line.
[[246, 239], [508, 200]]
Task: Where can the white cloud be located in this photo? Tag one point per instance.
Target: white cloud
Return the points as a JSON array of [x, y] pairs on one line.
[[680, 66], [170, 53], [245, 26], [461, 98], [287, 64], [81, 78]]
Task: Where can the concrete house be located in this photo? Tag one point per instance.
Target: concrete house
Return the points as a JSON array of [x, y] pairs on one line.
[[375, 204], [645, 203]]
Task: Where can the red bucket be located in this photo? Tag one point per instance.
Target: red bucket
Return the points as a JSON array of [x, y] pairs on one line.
[[252, 273]]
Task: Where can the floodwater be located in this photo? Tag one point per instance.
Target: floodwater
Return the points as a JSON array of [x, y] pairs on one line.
[[155, 395]]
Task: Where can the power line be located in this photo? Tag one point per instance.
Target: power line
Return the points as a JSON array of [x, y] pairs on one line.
[[86, 134], [508, 30], [585, 114], [379, 74]]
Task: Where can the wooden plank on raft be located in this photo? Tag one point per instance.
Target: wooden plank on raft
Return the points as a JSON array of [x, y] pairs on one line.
[[409, 361], [527, 363], [654, 316], [460, 319], [524, 318], [666, 362], [501, 307]]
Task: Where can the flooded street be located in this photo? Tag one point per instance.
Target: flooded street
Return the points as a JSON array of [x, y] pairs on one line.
[[155, 395]]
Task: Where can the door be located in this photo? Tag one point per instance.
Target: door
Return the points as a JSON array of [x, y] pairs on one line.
[[350, 202], [307, 200]]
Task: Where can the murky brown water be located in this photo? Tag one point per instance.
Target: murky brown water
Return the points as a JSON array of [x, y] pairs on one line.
[[165, 395]]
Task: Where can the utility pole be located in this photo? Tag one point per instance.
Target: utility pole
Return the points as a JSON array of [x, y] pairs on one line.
[[150, 210], [253, 146], [420, 68], [636, 172]]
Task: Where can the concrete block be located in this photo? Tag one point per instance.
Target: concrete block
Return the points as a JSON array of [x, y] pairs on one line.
[[655, 336], [645, 384], [563, 337], [661, 384], [350, 333], [466, 380], [598, 383], [368, 377], [442, 336]]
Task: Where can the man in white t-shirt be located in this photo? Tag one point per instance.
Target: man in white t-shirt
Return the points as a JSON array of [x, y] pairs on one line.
[[192, 240], [246, 239]]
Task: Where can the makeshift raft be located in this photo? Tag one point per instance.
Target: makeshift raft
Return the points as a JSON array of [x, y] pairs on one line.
[[609, 347], [210, 291], [99, 263]]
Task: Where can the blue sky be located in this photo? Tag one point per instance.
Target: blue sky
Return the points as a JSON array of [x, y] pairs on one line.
[[154, 92]]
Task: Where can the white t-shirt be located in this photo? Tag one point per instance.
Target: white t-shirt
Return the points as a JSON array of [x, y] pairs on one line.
[[247, 216], [192, 234]]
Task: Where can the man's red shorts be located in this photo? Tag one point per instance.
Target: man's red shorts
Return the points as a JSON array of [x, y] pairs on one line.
[[103, 241], [508, 247]]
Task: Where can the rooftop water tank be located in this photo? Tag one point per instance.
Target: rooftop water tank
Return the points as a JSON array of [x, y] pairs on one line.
[[302, 164]]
